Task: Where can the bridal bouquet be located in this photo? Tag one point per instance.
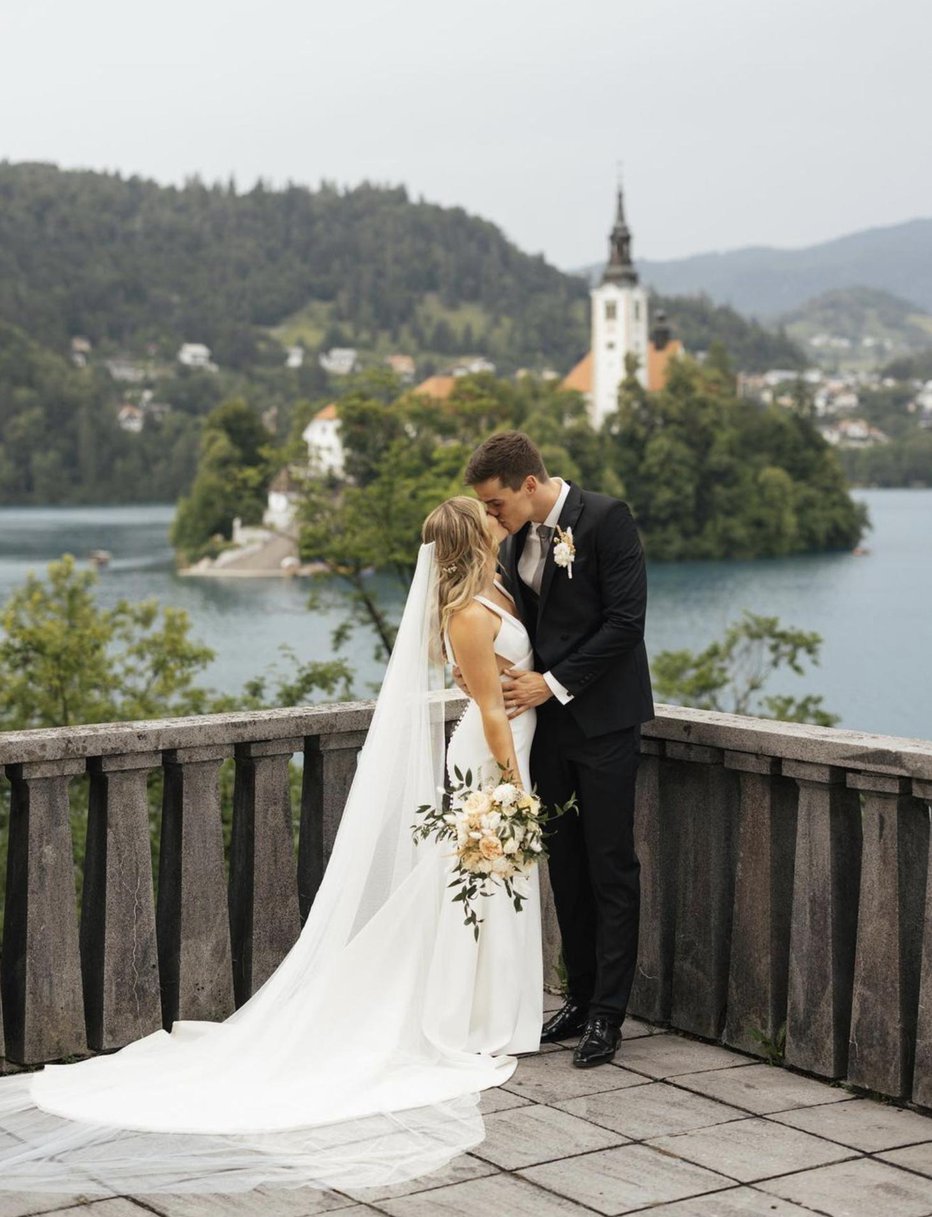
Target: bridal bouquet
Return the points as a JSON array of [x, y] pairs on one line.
[[497, 830]]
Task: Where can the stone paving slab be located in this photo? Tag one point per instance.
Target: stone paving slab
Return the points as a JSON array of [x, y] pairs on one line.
[[527, 1135], [651, 1110], [501, 1195], [665, 1056], [108, 1206], [496, 1099], [283, 1202], [753, 1149], [545, 1079], [762, 1089], [914, 1158], [620, 1180], [861, 1188], [738, 1202], [458, 1171], [863, 1124], [24, 1204]]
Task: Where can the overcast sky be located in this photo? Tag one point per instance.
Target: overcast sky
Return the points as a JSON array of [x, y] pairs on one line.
[[737, 122]]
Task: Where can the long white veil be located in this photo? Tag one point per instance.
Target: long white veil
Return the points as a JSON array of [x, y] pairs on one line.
[[326, 1076]]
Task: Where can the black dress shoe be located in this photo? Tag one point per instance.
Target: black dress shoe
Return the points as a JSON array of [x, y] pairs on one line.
[[568, 1021], [599, 1042]]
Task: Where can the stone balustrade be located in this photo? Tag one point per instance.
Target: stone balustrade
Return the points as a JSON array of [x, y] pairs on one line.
[[785, 872]]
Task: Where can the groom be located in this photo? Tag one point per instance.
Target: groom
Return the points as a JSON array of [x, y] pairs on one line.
[[583, 603]]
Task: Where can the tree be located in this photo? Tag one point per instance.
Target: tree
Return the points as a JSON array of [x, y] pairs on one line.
[[66, 660], [709, 475], [730, 675], [234, 469]]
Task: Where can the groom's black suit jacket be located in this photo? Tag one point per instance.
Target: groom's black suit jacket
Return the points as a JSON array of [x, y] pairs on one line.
[[588, 630]]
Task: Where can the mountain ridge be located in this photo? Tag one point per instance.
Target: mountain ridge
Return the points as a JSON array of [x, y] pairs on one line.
[[767, 281]]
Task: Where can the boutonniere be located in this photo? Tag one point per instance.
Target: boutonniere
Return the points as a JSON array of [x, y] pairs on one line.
[[564, 551]]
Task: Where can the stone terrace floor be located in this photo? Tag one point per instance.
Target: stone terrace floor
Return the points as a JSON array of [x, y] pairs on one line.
[[674, 1127]]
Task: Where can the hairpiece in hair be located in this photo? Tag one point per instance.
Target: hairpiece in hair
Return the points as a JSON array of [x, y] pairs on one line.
[[449, 569]]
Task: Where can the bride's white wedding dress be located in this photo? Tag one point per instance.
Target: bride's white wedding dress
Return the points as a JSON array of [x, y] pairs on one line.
[[360, 1059]]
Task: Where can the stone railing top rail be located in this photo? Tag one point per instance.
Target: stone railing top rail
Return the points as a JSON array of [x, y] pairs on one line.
[[729, 732]]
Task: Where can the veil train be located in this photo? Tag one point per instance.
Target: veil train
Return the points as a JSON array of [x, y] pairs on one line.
[[327, 1076]]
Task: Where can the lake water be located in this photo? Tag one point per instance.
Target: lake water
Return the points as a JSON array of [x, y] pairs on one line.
[[874, 612]]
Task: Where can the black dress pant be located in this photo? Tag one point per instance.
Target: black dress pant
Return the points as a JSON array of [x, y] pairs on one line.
[[594, 871]]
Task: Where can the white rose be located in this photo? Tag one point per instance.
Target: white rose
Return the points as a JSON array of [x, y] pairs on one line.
[[477, 801], [562, 553], [505, 794], [501, 866], [511, 847]]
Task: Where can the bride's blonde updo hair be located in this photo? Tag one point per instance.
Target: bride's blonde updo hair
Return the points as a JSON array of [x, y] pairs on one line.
[[464, 547]]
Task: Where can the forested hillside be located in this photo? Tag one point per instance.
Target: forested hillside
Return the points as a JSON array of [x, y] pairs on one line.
[[129, 262]]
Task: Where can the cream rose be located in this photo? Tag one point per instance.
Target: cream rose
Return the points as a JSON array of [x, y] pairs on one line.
[[490, 847]]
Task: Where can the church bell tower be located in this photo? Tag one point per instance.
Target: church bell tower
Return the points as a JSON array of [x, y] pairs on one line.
[[619, 321]]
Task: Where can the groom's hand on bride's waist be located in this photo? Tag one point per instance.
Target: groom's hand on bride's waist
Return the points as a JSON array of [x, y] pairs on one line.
[[523, 691], [458, 680]]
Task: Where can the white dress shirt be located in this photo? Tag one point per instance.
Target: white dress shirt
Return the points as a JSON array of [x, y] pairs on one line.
[[527, 565]]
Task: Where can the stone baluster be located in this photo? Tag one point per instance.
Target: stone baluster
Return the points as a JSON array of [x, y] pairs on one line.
[[195, 959], [894, 858], [700, 795], [824, 918], [263, 894], [329, 768], [654, 844], [40, 968], [119, 956], [760, 934], [922, 1068]]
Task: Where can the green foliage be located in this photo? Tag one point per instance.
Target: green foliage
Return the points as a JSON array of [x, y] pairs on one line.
[[698, 323], [711, 476], [59, 438], [729, 676], [906, 461], [66, 660], [405, 456], [771, 1048], [234, 469], [127, 262]]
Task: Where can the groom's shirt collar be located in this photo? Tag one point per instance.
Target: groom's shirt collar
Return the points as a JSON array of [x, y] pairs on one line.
[[553, 519]]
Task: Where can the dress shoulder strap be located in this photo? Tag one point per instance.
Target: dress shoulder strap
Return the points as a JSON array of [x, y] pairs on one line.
[[496, 608]]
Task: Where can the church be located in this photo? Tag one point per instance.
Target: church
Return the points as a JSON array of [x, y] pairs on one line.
[[621, 327]]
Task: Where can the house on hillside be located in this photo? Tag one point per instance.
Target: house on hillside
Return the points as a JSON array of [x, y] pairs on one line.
[[854, 433], [130, 418], [339, 361], [324, 448], [196, 355], [403, 367], [281, 507]]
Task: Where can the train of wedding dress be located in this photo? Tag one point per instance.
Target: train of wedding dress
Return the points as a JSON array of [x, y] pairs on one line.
[[360, 1060]]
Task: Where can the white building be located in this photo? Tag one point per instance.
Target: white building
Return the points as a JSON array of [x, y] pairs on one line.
[[339, 361], [131, 418], [295, 357], [621, 327], [324, 447], [196, 355], [619, 322]]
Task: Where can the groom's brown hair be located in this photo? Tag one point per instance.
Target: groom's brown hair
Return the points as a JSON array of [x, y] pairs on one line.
[[509, 456]]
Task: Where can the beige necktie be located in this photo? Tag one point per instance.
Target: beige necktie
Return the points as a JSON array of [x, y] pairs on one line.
[[543, 533]]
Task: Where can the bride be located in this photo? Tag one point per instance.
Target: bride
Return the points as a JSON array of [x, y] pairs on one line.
[[359, 1061]]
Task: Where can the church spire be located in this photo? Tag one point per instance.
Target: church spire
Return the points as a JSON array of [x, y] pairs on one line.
[[620, 268]]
